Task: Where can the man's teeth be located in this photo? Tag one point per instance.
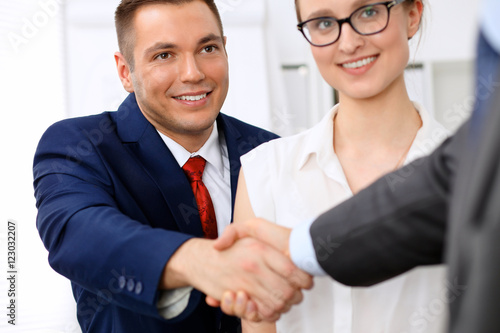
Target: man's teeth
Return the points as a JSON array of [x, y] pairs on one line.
[[191, 98], [359, 63]]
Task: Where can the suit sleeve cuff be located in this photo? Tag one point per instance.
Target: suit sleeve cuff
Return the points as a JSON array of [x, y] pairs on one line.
[[302, 250], [173, 302]]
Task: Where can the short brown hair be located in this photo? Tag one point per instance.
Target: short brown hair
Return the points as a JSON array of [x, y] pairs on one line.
[[124, 22]]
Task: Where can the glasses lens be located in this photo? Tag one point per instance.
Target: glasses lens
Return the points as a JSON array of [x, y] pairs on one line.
[[321, 31], [370, 19]]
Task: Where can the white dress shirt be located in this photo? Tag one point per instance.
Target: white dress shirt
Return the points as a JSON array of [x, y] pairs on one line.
[[217, 179], [294, 179]]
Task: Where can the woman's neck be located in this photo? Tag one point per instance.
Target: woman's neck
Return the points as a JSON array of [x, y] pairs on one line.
[[373, 136], [384, 119]]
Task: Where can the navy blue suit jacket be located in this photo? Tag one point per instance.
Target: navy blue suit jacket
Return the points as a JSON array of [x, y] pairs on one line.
[[113, 206]]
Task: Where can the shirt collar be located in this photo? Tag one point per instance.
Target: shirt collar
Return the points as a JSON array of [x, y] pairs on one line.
[[318, 142], [211, 151]]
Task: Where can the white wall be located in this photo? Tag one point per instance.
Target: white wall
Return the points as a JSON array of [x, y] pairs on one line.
[[32, 98], [249, 97], [449, 30], [447, 51], [90, 43]]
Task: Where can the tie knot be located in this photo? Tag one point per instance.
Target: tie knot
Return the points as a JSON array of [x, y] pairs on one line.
[[194, 168]]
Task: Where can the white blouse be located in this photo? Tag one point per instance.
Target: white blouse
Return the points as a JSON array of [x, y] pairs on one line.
[[294, 179]]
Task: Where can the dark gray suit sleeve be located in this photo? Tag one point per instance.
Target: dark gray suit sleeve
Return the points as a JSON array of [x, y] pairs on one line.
[[395, 224]]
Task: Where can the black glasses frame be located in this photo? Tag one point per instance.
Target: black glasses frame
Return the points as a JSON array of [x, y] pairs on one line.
[[387, 4]]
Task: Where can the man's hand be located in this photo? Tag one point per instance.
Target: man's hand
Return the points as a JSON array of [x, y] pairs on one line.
[[249, 266], [265, 231], [240, 304]]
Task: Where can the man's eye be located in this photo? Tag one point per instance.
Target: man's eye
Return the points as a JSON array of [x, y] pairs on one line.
[[163, 56], [209, 49]]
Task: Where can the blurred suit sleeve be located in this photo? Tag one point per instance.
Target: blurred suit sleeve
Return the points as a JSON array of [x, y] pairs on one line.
[[395, 224]]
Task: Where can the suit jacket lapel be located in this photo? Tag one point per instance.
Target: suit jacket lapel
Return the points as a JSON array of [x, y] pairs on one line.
[[234, 143], [144, 142]]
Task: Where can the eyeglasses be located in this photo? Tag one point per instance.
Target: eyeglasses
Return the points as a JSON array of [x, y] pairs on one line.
[[367, 20]]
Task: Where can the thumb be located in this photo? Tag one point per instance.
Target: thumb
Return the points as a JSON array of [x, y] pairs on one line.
[[235, 231], [271, 233], [230, 235], [265, 231]]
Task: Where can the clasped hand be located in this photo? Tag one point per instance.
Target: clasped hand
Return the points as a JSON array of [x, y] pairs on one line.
[[281, 281]]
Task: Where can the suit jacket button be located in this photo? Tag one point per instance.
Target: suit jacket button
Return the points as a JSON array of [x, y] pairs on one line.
[[138, 288], [122, 282], [130, 285]]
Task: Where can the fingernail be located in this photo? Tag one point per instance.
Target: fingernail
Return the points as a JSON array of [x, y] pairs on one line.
[[239, 299], [228, 300]]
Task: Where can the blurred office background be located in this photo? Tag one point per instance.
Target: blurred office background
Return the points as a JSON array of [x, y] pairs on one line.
[[56, 61]]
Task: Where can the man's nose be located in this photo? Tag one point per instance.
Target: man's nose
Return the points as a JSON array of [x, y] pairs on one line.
[[190, 70]]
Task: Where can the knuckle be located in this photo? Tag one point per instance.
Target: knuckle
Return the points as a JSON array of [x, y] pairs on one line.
[[266, 312], [302, 280], [258, 246], [249, 265], [289, 271], [288, 294], [310, 282], [279, 305], [298, 297]]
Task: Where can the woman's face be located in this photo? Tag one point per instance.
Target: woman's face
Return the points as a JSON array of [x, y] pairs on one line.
[[363, 66]]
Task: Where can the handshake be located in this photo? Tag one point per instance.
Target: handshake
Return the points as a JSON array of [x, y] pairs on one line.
[[263, 282]]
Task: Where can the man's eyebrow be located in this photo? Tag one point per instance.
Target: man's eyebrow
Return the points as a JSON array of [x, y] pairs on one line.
[[159, 46], [210, 38], [165, 45]]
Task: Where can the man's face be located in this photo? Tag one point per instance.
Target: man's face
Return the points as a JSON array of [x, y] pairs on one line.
[[181, 71]]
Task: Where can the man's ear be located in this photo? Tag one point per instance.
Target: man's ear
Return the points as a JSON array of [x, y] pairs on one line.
[[224, 40], [124, 72], [415, 16]]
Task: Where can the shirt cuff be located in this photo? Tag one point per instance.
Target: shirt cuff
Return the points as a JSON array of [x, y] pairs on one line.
[[173, 302], [302, 250]]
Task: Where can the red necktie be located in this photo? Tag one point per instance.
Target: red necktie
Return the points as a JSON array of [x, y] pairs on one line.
[[194, 171]]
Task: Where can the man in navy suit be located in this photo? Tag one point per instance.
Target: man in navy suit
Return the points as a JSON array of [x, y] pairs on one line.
[[115, 209]]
